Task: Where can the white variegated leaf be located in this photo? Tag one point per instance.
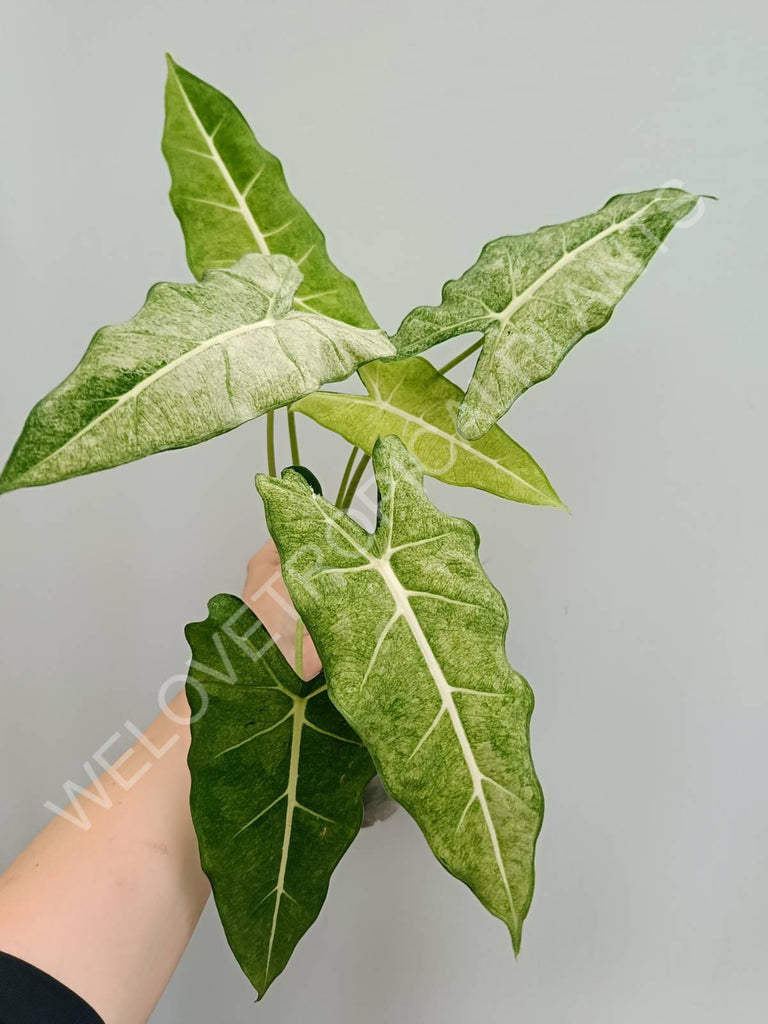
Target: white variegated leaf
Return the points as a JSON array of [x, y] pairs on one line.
[[411, 634], [533, 297], [195, 361]]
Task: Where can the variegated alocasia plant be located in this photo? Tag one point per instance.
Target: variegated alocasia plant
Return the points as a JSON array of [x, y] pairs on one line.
[[416, 685]]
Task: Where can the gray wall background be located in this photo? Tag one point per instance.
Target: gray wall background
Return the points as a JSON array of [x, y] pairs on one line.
[[415, 132]]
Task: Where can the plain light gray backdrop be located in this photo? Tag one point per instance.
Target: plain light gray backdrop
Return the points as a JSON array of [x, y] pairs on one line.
[[415, 132]]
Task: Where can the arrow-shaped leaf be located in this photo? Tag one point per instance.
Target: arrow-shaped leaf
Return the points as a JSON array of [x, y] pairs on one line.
[[535, 296], [277, 786], [411, 635], [195, 361], [417, 403], [231, 197]]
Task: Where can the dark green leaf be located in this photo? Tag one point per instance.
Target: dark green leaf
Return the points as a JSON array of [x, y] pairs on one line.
[[277, 785]]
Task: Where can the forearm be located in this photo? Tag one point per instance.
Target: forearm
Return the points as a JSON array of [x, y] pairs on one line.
[[109, 910]]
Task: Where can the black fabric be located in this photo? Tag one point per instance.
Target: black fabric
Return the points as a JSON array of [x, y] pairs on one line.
[[30, 996]]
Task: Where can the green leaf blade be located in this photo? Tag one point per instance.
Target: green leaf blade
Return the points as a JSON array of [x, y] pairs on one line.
[[231, 197], [411, 634], [196, 361], [415, 402], [533, 297], [277, 786]]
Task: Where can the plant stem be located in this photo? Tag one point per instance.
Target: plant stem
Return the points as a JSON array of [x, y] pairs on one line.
[[461, 356], [294, 439], [345, 475], [271, 460], [353, 483], [298, 657]]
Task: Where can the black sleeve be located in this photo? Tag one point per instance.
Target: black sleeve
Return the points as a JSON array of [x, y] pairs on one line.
[[30, 996]]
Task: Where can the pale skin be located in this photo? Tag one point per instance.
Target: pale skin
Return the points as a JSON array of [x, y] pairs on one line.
[[110, 910]]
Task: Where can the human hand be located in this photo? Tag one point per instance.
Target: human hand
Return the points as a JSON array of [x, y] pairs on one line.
[[266, 595]]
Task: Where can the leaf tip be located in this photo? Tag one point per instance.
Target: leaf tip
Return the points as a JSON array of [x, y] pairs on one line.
[[468, 424], [552, 498], [557, 502], [262, 482], [294, 477], [10, 481]]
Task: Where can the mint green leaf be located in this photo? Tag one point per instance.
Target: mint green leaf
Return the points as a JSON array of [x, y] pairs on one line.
[[277, 786], [231, 197], [417, 403], [411, 634], [535, 296], [195, 361]]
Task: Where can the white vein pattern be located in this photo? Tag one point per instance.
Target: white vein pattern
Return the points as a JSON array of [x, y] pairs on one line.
[[298, 715], [403, 609], [455, 440], [411, 634], [240, 198], [534, 296], [268, 856], [569, 255], [411, 399], [231, 197], [195, 361]]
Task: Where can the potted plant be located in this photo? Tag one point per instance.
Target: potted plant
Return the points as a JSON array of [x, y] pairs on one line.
[[415, 686]]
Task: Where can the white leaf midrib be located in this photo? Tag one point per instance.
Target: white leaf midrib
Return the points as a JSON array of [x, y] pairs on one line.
[[137, 389], [503, 317], [404, 609], [299, 712], [218, 339], [237, 195], [450, 438], [525, 296], [445, 691]]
